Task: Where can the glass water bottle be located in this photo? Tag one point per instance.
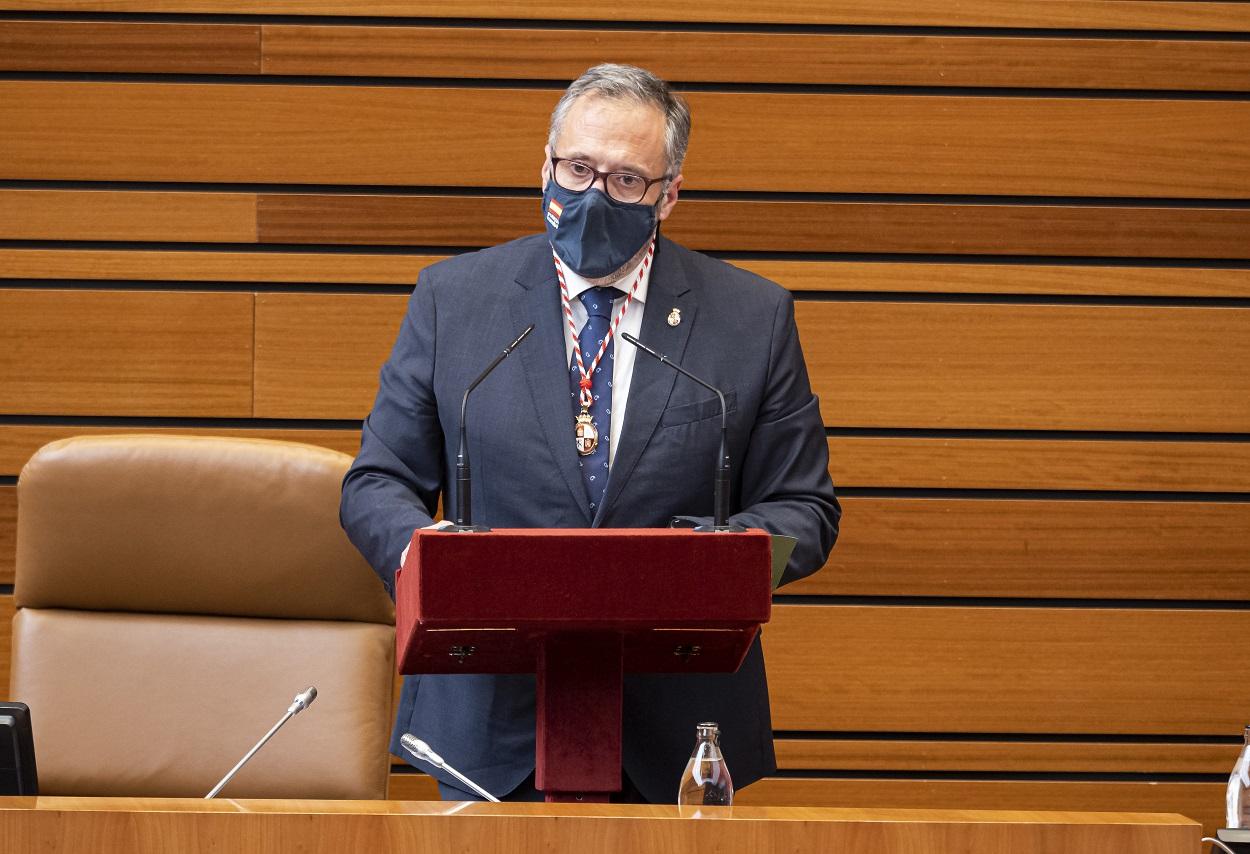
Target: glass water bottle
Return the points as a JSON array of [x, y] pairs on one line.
[[1238, 798], [706, 781]]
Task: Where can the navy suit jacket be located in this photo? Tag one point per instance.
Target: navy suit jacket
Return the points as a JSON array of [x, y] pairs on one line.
[[737, 331]]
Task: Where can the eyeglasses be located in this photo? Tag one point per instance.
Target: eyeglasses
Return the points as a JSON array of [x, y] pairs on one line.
[[578, 177]]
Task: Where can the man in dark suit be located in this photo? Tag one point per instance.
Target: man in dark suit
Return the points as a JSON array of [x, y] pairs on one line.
[[574, 431]]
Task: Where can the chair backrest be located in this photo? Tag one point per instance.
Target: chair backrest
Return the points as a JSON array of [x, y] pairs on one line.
[[174, 595]]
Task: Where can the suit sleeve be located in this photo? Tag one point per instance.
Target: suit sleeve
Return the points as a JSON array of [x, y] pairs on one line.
[[783, 485], [394, 484]]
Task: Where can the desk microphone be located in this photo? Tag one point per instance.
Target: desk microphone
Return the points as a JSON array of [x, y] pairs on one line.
[[464, 480], [302, 701], [422, 751], [720, 495]]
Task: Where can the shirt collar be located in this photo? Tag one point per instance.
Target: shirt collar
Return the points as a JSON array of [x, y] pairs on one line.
[[577, 285]]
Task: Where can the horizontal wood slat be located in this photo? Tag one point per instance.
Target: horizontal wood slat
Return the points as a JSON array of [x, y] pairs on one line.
[[1053, 757], [1200, 801], [710, 225], [1028, 367], [916, 365], [855, 461], [927, 546], [123, 215], [765, 226], [1080, 14], [680, 56], [1011, 549], [800, 276], [8, 541], [407, 136], [119, 47], [1036, 279], [302, 373], [1024, 670], [129, 353], [873, 364], [1037, 548], [259, 267], [1070, 464]]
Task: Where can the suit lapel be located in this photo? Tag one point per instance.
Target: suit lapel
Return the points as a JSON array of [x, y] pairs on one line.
[[546, 371], [652, 382]]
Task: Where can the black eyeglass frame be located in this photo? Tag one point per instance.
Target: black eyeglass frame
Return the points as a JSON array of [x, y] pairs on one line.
[[597, 175]]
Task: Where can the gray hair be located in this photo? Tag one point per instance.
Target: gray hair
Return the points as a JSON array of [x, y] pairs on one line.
[[627, 81]]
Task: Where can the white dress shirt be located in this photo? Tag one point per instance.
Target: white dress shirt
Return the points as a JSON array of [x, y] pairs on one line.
[[623, 351]]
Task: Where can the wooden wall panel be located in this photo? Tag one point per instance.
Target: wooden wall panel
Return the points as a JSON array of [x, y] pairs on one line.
[[1037, 548], [122, 215], [788, 226], [799, 276], [116, 46], [8, 541], [1117, 515], [767, 142], [1069, 464], [125, 353], [992, 669], [305, 369], [785, 57], [914, 755], [1028, 367], [1079, 14]]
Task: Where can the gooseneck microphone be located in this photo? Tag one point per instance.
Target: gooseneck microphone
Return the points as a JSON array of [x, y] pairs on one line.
[[464, 478], [302, 701], [720, 495], [422, 751]]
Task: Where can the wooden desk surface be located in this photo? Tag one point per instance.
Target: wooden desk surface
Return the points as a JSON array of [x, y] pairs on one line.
[[142, 825]]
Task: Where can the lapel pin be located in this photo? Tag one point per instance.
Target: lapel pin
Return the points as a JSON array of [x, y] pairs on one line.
[[674, 317]]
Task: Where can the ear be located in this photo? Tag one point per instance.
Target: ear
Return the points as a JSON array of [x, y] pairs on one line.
[[669, 200], [545, 175]]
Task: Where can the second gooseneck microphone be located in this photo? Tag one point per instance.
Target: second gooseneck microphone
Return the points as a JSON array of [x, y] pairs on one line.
[[464, 478], [720, 495], [422, 751]]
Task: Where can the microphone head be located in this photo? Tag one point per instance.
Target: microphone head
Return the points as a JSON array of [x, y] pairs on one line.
[[303, 700], [419, 749]]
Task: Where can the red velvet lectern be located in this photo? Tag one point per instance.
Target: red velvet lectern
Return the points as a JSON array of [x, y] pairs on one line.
[[536, 601]]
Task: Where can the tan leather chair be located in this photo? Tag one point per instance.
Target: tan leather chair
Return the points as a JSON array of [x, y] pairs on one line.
[[174, 595]]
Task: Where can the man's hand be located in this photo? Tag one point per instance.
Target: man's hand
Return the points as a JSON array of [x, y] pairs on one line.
[[437, 526]]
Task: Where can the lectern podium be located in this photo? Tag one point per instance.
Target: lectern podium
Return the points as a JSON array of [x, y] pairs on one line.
[[580, 608]]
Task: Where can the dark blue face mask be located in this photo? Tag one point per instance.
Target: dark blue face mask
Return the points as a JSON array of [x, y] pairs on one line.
[[592, 232]]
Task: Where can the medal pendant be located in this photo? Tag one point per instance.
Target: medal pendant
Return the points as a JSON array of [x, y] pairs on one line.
[[585, 434]]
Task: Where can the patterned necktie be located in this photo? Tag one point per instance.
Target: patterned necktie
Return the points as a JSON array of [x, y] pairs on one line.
[[598, 303]]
